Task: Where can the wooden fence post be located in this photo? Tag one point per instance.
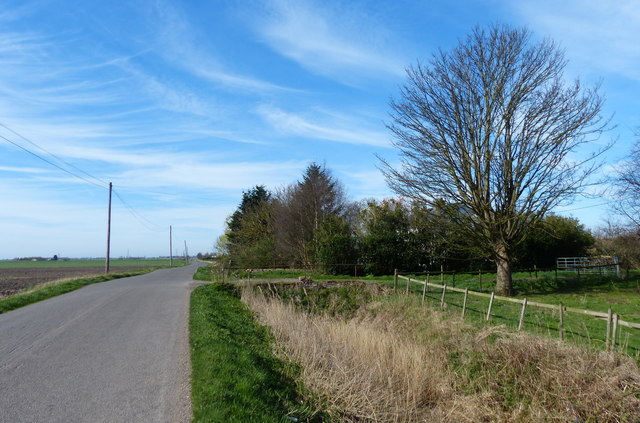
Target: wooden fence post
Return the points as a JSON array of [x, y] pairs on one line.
[[407, 288], [524, 307], [444, 291], [614, 331], [561, 328], [427, 284], [395, 280], [441, 275], [490, 305], [578, 274], [608, 337], [464, 302], [424, 288]]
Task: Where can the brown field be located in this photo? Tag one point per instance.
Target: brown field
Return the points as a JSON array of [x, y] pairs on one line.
[[16, 280]]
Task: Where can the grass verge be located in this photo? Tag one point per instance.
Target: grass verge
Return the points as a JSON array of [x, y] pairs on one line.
[[53, 289], [236, 377]]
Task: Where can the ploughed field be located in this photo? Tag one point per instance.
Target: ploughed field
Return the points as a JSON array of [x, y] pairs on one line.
[[18, 276]]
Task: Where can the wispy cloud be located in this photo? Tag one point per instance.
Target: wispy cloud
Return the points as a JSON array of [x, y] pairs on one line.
[[22, 169], [337, 129], [333, 42], [178, 46], [597, 35], [223, 175]]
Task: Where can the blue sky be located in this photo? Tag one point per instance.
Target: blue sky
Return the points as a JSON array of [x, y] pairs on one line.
[[185, 104]]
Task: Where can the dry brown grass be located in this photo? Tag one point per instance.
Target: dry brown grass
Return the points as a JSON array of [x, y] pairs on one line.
[[399, 362]]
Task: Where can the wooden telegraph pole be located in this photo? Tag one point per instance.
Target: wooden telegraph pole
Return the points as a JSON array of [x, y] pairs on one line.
[[106, 265], [170, 246]]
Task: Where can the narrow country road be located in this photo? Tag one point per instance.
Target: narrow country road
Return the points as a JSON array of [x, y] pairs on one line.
[[115, 351]]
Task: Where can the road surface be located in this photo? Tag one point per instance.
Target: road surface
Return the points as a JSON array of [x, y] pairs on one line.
[[115, 351]]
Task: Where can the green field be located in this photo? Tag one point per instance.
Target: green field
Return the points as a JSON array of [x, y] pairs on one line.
[[594, 293], [20, 264]]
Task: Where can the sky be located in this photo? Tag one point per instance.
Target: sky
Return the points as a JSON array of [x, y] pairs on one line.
[[182, 105]]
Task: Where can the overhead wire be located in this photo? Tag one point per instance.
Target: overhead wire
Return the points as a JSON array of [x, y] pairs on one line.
[[102, 184], [138, 216], [16, 133], [50, 162]]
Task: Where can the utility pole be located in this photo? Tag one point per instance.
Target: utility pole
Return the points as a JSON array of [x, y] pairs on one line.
[[170, 246], [186, 253], [106, 266]]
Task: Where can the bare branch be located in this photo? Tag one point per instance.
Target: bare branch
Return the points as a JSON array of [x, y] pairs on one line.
[[490, 126]]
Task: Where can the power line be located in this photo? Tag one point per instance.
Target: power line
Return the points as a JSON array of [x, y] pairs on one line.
[[138, 216], [51, 154], [51, 163]]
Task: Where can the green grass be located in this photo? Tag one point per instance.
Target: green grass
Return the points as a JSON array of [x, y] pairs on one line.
[[15, 264], [53, 289], [235, 376], [593, 293]]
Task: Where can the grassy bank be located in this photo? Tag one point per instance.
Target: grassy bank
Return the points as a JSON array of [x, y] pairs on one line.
[[53, 289], [396, 360], [236, 377]]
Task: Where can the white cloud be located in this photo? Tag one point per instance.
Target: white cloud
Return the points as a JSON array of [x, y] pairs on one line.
[[339, 43], [178, 45], [22, 169], [597, 35], [212, 175], [337, 129]]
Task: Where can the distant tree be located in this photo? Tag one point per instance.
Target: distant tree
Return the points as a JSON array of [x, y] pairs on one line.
[[622, 241], [489, 126], [300, 209], [385, 237], [553, 237], [437, 241], [250, 239], [251, 200], [335, 246]]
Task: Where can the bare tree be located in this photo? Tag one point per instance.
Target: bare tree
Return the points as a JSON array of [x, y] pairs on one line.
[[489, 127], [627, 187], [301, 208]]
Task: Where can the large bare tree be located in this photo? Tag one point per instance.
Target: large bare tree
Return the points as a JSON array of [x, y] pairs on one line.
[[490, 127]]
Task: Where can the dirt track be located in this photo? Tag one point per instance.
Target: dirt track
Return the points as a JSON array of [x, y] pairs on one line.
[[15, 280]]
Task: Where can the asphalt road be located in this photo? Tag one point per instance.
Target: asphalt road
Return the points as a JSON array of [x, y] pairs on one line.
[[110, 352]]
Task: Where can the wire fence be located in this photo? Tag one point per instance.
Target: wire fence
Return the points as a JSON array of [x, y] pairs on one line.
[[471, 294], [607, 330]]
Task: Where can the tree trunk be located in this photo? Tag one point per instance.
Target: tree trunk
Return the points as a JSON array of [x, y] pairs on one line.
[[504, 283]]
